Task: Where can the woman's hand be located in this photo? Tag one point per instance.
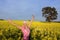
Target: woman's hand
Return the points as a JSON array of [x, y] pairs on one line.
[[33, 17]]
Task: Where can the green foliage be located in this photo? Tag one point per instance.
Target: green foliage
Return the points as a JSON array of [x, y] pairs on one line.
[[50, 13], [37, 34], [10, 32]]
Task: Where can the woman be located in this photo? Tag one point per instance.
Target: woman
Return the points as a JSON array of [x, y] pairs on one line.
[[25, 28]]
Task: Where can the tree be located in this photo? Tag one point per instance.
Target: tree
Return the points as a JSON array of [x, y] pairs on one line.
[[1, 19], [49, 13]]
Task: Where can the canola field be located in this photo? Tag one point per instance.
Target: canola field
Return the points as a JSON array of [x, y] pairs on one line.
[[39, 31]]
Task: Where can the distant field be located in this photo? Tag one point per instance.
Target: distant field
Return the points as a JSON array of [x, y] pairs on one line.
[[48, 27]]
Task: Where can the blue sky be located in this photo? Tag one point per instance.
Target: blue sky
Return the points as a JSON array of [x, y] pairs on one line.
[[24, 9]]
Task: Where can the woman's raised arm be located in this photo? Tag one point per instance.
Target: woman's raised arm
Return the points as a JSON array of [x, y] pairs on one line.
[[11, 22], [31, 21]]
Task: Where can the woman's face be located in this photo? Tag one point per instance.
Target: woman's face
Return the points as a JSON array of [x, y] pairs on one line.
[[25, 23]]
